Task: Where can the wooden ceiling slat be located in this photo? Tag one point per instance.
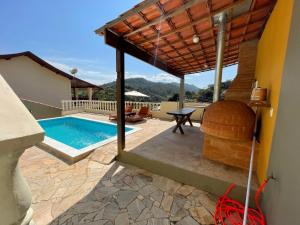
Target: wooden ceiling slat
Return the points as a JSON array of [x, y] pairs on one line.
[[166, 16], [126, 15], [169, 43], [197, 21], [199, 54], [238, 38], [248, 19], [172, 26], [117, 42], [209, 59], [202, 53], [195, 33], [228, 53], [208, 30]]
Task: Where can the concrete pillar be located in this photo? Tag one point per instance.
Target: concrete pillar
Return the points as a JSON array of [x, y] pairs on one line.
[[220, 55], [181, 93], [75, 93], [18, 131], [90, 93]]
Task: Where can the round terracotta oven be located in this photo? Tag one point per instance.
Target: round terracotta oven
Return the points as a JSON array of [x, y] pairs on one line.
[[232, 120]]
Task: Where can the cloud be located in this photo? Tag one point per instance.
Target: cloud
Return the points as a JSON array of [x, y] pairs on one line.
[[159, 77], [90, 70], [94, 76]]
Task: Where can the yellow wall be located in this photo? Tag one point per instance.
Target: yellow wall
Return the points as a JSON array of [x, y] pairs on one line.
[[269, 68]]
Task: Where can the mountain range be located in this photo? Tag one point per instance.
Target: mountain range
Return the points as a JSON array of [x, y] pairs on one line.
[[158, 91]]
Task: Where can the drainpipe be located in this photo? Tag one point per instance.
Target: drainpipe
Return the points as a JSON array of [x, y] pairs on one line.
[[220, 54], [181, 93]]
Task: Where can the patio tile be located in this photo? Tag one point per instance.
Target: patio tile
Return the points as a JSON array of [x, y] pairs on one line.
[[201, 215], [167, 202], [185, 190], [155, 221], [135, 209], [158, 213], [125, 197], [187, 221], [91, 193], [122, 219]]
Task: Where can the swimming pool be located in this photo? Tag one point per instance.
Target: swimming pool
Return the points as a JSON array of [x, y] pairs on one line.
[[72, 136]]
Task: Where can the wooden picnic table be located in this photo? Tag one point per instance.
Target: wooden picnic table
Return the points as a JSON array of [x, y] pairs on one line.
[[182, 116]]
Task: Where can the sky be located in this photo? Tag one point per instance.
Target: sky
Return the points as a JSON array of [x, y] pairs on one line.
[[62, 33]]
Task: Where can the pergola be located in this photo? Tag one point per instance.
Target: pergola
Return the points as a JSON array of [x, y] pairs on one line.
[[183, 37]]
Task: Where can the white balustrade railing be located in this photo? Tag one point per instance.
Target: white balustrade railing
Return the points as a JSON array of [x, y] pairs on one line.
[[104, 106]]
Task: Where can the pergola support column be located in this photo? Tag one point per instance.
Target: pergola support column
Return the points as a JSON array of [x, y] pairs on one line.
[[220, 55], [120, 99], [181, 93], [90, 93]]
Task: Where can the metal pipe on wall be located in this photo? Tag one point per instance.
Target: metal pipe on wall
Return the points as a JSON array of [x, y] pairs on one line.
[[220, 55]]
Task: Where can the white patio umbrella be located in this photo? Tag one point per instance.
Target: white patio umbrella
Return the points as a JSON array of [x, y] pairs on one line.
[[136, 94]]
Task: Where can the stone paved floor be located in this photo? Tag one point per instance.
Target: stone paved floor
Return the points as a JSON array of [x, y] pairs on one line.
[[95, 191], [156, 141], [91, 193]]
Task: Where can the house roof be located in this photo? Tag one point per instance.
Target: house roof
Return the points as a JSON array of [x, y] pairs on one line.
[[160, 32], [75, 82]]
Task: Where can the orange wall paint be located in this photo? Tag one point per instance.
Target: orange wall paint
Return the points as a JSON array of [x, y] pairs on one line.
[[269, 68]]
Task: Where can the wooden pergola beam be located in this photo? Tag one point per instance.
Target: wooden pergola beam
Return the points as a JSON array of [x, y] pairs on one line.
[[210, 67], [126, 15], [203, 41], [209, 39], [166, 16], [210, 61], [117, 42], [199, 53], [209, 58], [195, 22], [187, 72]]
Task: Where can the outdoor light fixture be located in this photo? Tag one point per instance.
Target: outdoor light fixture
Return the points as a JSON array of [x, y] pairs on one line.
[[196, 39], [205, 66]]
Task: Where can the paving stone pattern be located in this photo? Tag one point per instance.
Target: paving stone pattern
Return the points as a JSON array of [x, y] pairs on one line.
[[91, 193]]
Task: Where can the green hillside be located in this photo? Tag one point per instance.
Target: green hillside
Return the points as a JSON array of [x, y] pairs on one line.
[[158, 91]]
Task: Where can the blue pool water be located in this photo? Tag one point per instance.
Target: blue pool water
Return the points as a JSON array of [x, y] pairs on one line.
[[78, 133]]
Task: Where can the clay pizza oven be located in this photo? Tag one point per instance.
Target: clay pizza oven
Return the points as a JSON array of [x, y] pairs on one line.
[[228, 129], [232, 120]]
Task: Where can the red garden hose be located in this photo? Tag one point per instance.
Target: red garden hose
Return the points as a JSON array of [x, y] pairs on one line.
[[230, 212]]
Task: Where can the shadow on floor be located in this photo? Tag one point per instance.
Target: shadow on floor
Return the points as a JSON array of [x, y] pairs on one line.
[[128, 195]]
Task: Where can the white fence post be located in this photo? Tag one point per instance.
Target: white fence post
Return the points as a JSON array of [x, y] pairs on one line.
[[104, 106]]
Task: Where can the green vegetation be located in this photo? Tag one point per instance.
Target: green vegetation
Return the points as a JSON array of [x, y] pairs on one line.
[[206, 94], [158, 91]]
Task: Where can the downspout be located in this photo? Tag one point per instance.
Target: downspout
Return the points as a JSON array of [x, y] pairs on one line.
[[221, 21]]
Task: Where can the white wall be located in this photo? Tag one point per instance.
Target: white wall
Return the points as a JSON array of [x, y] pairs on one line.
[[31, 81]]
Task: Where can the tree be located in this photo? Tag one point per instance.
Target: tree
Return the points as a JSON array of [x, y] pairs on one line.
[[206, 94], [174, 98]]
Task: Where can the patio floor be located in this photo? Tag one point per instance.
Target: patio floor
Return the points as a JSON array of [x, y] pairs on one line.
[[156, 141], [96, 191], [91, 193]]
